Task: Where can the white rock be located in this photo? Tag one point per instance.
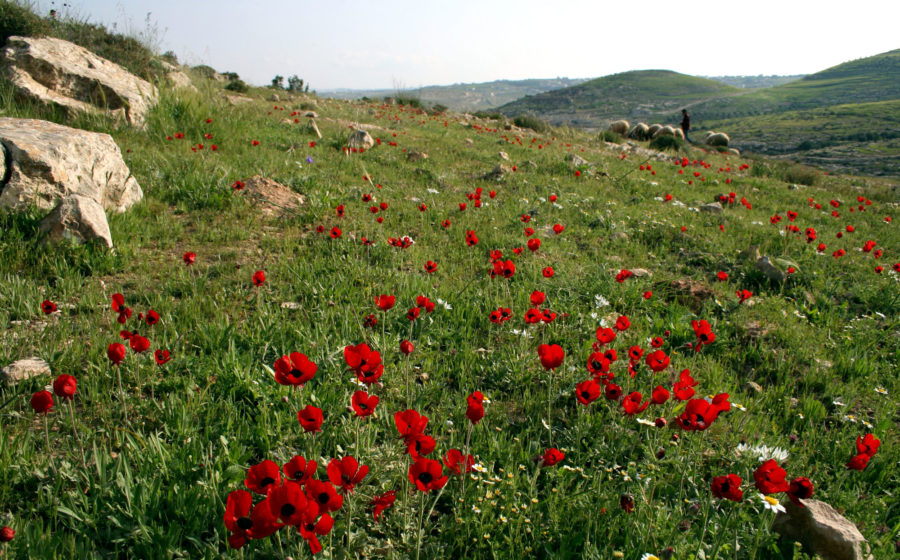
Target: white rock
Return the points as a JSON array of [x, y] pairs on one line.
[[76, 218], [25, 369]]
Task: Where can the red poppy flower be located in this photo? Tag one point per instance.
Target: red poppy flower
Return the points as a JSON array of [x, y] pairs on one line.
[[299, 469], [537, 298], [587, 391], [457, 463], [622, 323], [605, 335], [534, 244], [151, 318], [406, 347], [548, 272], [48, 306], [324, 495], [635, 353], [657, 361], [598, 364], [632, 403], [551, 355], [346, 473], [244, 523], [684, 388], [722, 277], [800, 489], [769, 478], [728, 487], [660, 395], [139, 343], [475, 407], [295, 369], [42, 402], [699, 414], [363, 404], [427, 475], [648, 295], [310, 418], [116, 353], [430, 267], [161, 357], [259, 277], [612, 392], [287, 502], [311, 529], [506, 269], [382, 502], [419, 445], [867, 445], [189, 258], [254, 142], [551, 457], [859, 462], [558, 228], [410, 423], [263, 476], [365, 362], [703, 331], [412, 314], [743, 295], [64, 386]]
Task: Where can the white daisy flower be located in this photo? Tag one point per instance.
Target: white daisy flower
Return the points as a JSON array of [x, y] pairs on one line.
[[771, 503]]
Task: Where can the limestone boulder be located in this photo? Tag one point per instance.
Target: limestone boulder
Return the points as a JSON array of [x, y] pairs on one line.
[[822, 531], [360, 139], [24, 369], [44, 163], [63, 74], [76, 218], [718, 139]]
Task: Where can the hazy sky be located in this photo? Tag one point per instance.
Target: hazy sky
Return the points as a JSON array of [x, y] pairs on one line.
[[385, 43]]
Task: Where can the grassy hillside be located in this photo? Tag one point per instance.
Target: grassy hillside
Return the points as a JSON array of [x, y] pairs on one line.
[[754, 82], [636, 95], [876, 78], [466, 97], [610, 411]]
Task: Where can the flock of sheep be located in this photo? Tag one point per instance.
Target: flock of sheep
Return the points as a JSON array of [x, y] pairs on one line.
[[643, 131]]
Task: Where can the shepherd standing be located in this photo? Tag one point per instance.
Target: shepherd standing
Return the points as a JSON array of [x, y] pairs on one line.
[[685, 123]]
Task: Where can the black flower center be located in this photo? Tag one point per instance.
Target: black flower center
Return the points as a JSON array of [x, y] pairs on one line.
[[266, 481], [244, 523], [295, 373], [425, 477], [324, 498], [288, 510]]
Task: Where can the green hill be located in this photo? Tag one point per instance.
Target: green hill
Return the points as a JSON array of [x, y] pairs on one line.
[[632, 95], [466, 97]]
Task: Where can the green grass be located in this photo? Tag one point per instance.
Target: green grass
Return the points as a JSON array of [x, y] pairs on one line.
[[154, 484]]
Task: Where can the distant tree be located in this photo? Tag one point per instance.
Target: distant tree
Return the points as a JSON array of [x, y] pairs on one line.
[[278, 82], [307, 89], [295, 83]]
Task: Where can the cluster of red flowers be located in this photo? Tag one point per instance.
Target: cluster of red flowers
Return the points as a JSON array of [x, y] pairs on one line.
[[866, 447]]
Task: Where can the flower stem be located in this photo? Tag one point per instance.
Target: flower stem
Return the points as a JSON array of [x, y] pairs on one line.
[[77, 437], [419, 531], [122, 393]]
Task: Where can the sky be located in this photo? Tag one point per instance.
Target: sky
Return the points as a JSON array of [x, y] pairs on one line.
[[388, 44]]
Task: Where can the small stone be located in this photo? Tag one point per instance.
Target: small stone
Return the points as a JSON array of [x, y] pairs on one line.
[[25, 369], [771, 271], [576, 160], [504, 156], [713, 208], [641, 272], [413, 155], [360, 139], [76, 218], [292, 305], [753, 387]]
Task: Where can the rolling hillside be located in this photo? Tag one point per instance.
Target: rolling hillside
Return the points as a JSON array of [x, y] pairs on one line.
[[467, 97], [633, 95]]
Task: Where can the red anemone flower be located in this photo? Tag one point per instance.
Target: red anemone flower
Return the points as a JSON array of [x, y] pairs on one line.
[[116, 353], [161, 357], [139, 343], [551, 355], [632, 403], [800, 489], [346, 473], [287, 502], [728, 487], [64, 386], [48, 306], [42, 402], [868, 444], [311, 419], [587, 391], [259, 277], [548, 272], [299, 469], [657, 361], [859, 462], [406, 347], [660, 395], [385, 302], [295, 369], [427, 475], [551, 457], [475, 407], [244, 523], [365, 362], [430, 267], [263, 476], [324, 495], [363, 404], [769, 478], [383, 502], [410, 423], [458, 463]]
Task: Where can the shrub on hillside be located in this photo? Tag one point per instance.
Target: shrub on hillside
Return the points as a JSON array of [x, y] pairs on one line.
[[797, 173], [534, 123], [18, 19], [490, 115], [610, 136], [237, 85], [663, 143], [409, 101], [207, 72]]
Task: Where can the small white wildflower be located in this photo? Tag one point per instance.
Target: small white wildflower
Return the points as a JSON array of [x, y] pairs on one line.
[[434, 191], [600, 301], [881, 390], [445, 304], [771, 503], [646, 422]]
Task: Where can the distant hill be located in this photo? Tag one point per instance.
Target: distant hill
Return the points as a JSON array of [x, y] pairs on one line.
[[843, 118], [755, 82], [466, 97], [636, 95]]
